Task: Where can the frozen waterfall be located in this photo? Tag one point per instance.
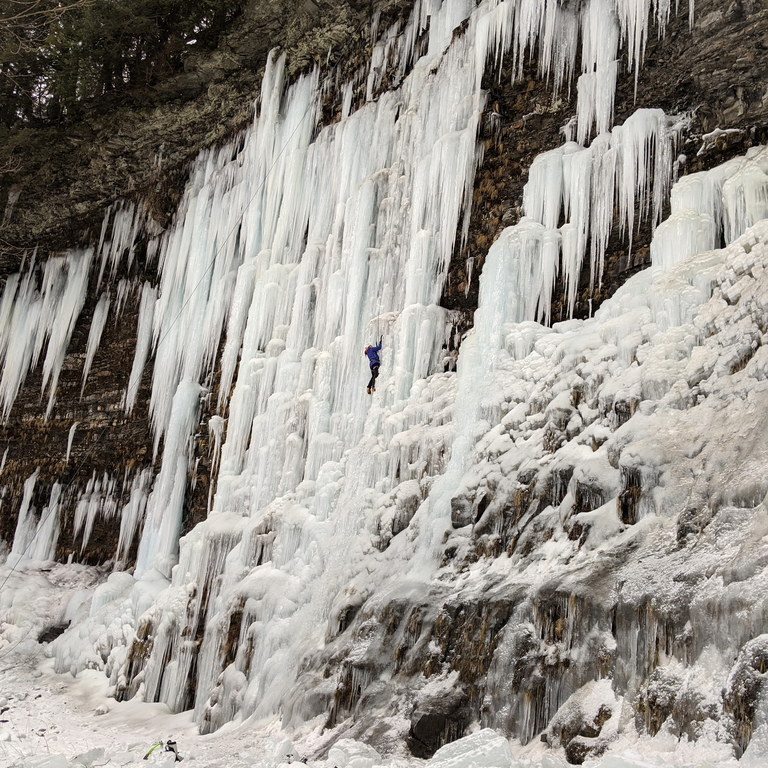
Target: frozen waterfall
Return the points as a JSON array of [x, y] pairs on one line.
[[548, 452]]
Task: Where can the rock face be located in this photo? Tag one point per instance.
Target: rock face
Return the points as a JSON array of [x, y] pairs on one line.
[[531, 662], [85, 164], [84, 167], [708, 72]]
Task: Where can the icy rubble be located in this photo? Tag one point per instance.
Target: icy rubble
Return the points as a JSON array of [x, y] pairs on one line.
[[663, 392]]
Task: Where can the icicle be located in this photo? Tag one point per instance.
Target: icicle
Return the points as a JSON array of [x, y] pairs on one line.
[[124, 288], [577, 178], [70, 439], [133, 513], [634, 18], [94, 335], [98, 500], [580, 185], [143, 340], [697, 193], [645, 148], [216, 432], [25, 522], [705, 206], [745, 195], [681, 235], [543, 194], [81, 507], [62, 313], [47, 534], [102, 236], [126, 223], [604, 162], [596, 86], [34, 319], [470, 263]]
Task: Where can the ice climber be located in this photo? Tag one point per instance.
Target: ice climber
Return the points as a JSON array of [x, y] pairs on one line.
[[372, 353]]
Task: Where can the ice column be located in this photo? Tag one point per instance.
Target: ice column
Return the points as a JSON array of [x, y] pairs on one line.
[[43, 546], [143, 343], [597, 85], [710, 206], [160, 537], [25, 523], [71, 438]]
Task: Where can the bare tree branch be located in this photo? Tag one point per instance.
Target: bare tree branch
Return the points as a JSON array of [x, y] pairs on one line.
[[10, 165], [14, 11]]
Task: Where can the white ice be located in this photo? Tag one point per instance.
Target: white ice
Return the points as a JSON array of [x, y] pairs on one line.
[[94, 335], [292, 251], [52, 721]]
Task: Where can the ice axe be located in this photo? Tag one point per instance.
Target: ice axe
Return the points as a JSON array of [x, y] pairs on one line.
[[387, 319]]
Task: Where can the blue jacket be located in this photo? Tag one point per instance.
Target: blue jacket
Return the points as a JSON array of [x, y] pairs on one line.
[[373, 355]]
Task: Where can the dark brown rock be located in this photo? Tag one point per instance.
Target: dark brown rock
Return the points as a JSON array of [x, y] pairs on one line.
[[431, 730]]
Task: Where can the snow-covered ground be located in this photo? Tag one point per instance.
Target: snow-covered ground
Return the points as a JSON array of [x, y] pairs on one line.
[[48, 720]]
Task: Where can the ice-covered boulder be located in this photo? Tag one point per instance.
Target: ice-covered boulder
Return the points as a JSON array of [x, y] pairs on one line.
[[582, 725], [348, 753], [745, 686], [484, 749]]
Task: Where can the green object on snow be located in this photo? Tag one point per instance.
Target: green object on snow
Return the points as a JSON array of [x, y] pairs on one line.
[[153, 748]]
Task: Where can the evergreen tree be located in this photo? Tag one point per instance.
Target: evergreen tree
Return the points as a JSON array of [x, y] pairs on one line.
[[56, 53]]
